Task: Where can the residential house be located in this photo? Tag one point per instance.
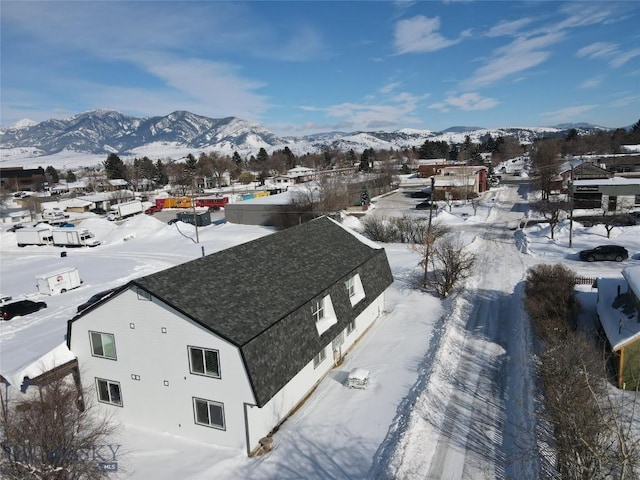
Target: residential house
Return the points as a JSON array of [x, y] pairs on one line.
[[223, 348], [618, 310], [460, 182]]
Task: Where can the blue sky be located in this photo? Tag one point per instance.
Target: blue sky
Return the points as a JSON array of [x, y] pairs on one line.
[[304, 67]]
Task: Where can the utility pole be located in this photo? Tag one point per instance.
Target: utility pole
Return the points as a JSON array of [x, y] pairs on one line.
[[571, 208]]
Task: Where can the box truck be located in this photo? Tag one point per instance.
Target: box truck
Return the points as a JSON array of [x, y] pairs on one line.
[[124, 210], [34, 236], [59, 282], [74, 237]]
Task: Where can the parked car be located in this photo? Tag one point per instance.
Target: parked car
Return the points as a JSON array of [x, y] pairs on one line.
[[66, 225], [21, 307], [420, 194], [605, 252], [98, 211], [152, 209], [17, 226], [95, 298], [426, 205]]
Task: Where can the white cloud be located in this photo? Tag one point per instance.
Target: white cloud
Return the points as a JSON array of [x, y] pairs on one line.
[[597, 50], [625, 101], [620, 59], [419, 35], [592, 82], [521, 54], [466, 102], [505, 28], [568, 114], [389, 87]]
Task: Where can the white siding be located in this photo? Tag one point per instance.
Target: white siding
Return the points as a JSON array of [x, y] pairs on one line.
[[158, 357]]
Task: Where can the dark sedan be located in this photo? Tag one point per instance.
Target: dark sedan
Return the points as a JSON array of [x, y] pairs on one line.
[[95, 298], [605, 252], [21, 307]]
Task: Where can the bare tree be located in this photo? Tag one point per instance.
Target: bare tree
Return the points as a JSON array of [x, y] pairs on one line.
[[425, 247], [56, 434], [551, 210], [545, 158], [451, 264]]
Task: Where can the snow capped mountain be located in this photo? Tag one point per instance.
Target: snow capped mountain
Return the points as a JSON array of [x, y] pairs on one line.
[[100, 132]]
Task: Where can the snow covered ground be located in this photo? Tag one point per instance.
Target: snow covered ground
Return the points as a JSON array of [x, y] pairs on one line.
[[451, 392]]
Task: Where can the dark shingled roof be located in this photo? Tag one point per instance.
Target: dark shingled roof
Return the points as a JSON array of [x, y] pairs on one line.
[[258, 295]]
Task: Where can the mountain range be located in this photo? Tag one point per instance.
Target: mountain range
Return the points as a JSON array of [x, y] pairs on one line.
[[106, 131]]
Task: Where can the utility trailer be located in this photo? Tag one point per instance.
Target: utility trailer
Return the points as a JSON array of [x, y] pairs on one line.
[[34, 236], [59, 281]]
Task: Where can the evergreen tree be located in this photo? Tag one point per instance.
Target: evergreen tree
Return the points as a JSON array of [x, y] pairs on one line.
[[263, 156], [71, 177], [237, 159], [52, 174], [160, 176], [114, 167]]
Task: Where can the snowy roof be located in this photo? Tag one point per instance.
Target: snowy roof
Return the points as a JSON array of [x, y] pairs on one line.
[[50, 360], [454, 181], [632, 275], [608, 181], [620, 323], [97, 197]]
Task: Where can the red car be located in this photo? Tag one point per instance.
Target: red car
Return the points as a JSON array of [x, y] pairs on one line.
[[152, 209]]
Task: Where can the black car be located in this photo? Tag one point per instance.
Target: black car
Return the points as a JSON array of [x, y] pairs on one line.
[[98, 211], [426, 205], [17, 226], [95, 298], [605, 252], [420, 194], [21, 307]]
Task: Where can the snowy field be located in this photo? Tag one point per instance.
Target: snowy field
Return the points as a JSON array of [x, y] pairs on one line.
[[417, 420]]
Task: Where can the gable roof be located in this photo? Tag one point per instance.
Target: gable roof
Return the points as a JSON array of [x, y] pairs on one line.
[[258, 295]]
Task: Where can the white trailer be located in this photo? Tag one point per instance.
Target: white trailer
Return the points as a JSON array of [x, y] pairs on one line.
[[34, 236], [74, 237], [124, 210], [58, 282]]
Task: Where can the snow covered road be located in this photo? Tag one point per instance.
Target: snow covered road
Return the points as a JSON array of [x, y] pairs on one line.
[[479, 395]]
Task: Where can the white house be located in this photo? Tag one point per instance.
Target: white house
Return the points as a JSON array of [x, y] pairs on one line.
[[222, 349]]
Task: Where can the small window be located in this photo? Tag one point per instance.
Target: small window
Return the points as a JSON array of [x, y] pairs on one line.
[[204, 362], [355, 289], [109, 392], [318, 310], [143, 294], [319, 358], [103, 345], [351, 326], [208, 413], [637, 200]]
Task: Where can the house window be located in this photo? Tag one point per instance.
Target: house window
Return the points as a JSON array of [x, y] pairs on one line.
[[351, 326], [323, 314], [143, 294], [103, 345], [319, 358], [204, 362], [318, 310], [109, 392], [637, 200], [208, 413], [355, 289]]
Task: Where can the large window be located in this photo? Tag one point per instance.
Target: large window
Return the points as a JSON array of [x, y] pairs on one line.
[[204, 362], [109, 392], [208, 413], [323, 314], [103, 345], [355, 289]]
